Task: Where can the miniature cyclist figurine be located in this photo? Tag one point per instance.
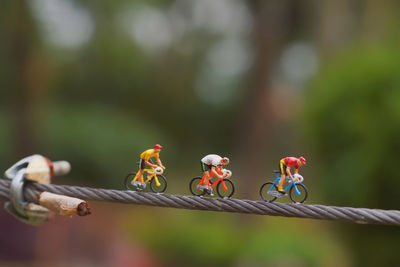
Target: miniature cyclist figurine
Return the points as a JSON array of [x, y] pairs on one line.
[[211, 163], [145, 160], [284, 166]]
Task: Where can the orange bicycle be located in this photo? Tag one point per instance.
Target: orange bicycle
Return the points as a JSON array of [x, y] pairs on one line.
[[225, 187]]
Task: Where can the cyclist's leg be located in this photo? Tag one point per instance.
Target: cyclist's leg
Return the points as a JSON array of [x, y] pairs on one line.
[[206, 173], [205, 184], [282, 168], [141, 170], [140, 176], [206, 178], [206, 187]]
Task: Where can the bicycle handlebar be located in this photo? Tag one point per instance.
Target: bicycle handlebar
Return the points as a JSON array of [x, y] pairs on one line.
[[299, 178], [157, 170]]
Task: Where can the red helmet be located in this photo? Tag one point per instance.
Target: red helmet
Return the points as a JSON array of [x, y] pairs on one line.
[[302, 160], [158, 146]]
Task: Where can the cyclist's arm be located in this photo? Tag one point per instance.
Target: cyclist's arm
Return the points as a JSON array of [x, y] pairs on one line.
[[159, 163], [288, 172], [296, 171], [150, 164], [213, 171]]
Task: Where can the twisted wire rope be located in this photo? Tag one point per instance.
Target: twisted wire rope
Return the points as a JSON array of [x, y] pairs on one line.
[[358, 215]]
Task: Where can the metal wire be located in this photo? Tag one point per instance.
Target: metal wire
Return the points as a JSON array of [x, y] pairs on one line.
[[358, 215]]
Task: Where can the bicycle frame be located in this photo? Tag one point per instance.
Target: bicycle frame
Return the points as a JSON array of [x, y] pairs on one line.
[[151, 174], [287, 187], [219, 180]]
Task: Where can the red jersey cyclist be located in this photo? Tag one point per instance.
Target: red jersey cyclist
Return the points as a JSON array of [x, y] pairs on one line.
[[284, 166]]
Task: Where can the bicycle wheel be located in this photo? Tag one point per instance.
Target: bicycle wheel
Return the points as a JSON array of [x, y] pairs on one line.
[[230, 189], [163, 184], [193, 187], [128, 180], [298, 198], [265, 188]]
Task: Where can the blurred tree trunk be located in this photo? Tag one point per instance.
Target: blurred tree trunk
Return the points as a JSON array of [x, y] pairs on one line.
[[337, 25], [22, 32], [380, 20], [18, 242], [271, 24]]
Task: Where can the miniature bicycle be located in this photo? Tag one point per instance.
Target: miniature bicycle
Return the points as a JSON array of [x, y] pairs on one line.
[[158, 182], [297, 191], [225, 186]]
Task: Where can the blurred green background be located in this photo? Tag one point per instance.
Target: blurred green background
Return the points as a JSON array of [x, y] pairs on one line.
[[98, 82]]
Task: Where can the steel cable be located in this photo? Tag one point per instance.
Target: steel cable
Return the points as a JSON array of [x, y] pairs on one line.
[[358, 215]]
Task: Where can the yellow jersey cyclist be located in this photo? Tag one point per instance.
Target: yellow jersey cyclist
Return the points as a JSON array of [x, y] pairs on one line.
[[284, 166], [145, 160]]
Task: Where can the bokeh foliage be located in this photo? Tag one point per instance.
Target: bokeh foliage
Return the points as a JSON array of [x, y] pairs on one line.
[[103, 102], [353, 115], [353, 120]]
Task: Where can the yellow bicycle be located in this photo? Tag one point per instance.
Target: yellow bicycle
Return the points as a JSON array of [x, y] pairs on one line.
[[158, 182]]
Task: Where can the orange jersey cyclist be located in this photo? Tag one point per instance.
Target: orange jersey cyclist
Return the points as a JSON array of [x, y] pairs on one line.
[[284, 166], [211, 164], [145, 160]]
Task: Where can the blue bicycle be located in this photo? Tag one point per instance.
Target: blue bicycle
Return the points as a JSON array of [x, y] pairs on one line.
[[297, 191]]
